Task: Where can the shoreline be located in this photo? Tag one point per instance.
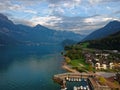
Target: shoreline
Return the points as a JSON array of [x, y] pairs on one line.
[[106, 75], [67, 67]]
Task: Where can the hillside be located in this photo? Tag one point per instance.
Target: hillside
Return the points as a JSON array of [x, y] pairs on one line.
[[6, 40], [111, 42], [107, 30], [27, 35]]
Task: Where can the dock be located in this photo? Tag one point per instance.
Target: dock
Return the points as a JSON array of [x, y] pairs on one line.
[[62, 79], [72, 77]]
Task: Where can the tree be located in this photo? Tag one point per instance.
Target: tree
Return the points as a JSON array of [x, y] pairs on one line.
[[102, 80], [90, 68], [67, 59]]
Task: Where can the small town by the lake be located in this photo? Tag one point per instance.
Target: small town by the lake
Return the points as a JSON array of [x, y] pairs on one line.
[[91, 69]]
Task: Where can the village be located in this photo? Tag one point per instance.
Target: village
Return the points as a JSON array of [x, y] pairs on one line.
[[106, 60], [103, 64], [103, 60]]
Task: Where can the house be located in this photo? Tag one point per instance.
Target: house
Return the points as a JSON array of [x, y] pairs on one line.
[[99, 60], [88, 58], [100, 66], [104, 65], [111, 65]]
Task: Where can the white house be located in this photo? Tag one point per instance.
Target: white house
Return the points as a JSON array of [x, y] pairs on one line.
[[100, 66], [104, 66], [111, 65]]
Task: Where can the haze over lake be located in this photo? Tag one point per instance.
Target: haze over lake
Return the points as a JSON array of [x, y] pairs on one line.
[[29, 67]]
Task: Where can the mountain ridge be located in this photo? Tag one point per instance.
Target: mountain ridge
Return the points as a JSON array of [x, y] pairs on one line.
[[111, 42], [111, 28], [33, 35]]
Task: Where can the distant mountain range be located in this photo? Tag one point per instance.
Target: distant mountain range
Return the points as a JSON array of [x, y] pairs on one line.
[[12, 34], [111, 42], [68, 42], [107, 30]]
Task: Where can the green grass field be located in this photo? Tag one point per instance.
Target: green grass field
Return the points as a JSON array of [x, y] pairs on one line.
[[80, 64], [84, 45]]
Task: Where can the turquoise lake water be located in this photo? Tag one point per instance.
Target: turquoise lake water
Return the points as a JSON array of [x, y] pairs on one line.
[[30, 67]]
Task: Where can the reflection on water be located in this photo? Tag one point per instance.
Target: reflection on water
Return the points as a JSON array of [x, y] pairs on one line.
[[29, 67]]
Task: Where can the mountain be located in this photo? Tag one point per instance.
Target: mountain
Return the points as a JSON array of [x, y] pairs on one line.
[[11, 33], [111, 42], [68, 42], [6, 40], [110, 28]]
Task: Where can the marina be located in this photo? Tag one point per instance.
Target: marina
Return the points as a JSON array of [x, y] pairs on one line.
[[78, 81]]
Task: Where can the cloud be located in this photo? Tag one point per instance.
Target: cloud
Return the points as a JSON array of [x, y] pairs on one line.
[[97, 19], [63, 6], [47, 20], [23, 21], [4, 4], [101, 1], [81, 16], [116, 12], [7, 5], [76, 24]]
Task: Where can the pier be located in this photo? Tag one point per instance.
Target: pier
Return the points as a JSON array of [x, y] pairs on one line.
[[73, 77], [88, 78]]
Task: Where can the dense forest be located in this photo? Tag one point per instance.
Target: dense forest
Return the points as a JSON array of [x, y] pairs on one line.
[[111, 42]]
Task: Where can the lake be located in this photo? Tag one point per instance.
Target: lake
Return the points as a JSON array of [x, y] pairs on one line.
[[30, 67]]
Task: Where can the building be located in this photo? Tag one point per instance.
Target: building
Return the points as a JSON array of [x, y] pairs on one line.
[[100, 66], [104, 65]]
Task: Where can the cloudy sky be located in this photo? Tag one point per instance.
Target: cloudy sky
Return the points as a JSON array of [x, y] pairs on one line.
[[80, 16]]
